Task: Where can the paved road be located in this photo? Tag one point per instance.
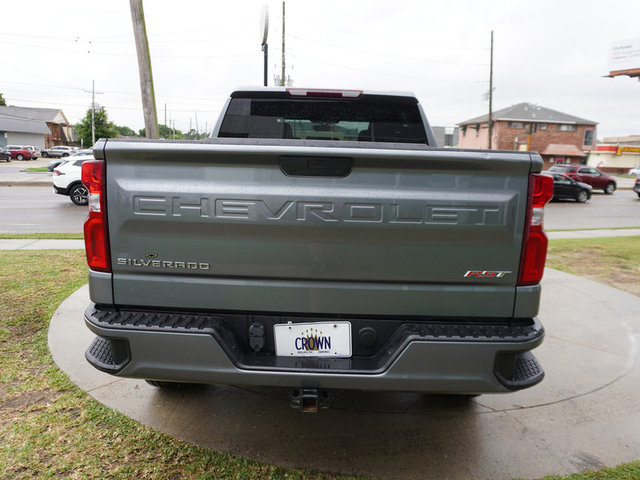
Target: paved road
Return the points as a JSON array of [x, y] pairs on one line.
[[622, 209], [16, 166], [38, 210]]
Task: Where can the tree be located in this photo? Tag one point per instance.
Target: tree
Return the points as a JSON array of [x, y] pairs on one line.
[[195, 135], [125, 131], [3, 102], [104, 128], [164, 132]]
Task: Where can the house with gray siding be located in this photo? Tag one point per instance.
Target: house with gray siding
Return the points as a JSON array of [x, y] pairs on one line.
[[22, 131], [60, 131]]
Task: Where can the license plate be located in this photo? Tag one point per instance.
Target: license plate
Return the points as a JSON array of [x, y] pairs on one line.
[[330, 339]]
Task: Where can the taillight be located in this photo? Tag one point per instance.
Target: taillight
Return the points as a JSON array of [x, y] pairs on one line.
[[96, 236], [534, 247]]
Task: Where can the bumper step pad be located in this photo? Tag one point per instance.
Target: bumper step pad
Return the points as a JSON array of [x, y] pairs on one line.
[[524, 371], [102, 354]]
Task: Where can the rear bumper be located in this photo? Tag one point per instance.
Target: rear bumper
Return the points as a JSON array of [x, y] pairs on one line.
[[428, 356], [60, 190]]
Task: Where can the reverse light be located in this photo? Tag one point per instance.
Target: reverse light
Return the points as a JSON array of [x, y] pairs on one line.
[[96, 235], [534, 247]]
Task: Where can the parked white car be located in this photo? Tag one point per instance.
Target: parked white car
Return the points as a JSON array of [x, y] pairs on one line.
[[67, 179], [635, 171], [57, 161], [35, 151]]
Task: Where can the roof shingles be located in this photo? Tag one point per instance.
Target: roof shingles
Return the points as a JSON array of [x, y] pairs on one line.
[[529, 112], [10, 123]]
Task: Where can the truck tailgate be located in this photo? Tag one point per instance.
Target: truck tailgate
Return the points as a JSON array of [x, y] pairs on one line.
[[254, 227]]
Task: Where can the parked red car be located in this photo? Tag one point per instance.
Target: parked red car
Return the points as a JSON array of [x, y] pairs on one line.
[[20, 153], [589, 175]]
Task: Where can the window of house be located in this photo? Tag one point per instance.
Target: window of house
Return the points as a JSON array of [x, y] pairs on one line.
[[542, 126], [566, 128], [588, 137], [516, 125]]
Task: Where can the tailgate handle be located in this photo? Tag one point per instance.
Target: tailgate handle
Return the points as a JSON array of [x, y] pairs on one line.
[[299, 166]]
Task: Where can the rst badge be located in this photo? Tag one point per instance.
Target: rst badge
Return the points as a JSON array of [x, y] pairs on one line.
[[486, 273], [330, 339]]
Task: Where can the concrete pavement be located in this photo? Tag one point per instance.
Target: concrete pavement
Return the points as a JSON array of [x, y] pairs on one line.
[[13, 174], [584, 415], [626, 232]]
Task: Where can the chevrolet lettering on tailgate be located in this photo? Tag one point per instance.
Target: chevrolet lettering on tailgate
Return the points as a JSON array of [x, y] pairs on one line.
[[300, 211]]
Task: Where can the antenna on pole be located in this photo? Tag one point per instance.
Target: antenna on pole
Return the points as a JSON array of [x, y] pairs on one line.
[[283, 77], [93, 112], [264, 27]]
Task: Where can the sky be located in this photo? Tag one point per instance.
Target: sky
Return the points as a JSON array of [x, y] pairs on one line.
[[549, 52]]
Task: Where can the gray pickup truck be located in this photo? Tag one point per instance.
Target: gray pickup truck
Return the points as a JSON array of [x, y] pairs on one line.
[[319, 240]]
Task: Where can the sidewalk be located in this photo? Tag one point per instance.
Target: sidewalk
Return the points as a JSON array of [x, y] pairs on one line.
[[47, 244], [561, 235], [10, 177], [27, 179]]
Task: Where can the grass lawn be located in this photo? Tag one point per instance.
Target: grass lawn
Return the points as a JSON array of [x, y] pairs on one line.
[[614, 261], [51, 429], [54, 236], [36, 169]]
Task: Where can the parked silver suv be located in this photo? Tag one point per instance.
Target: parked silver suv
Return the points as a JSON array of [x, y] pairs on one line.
[[59, 151]]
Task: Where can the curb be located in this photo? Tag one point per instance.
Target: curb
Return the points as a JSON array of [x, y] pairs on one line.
[[24, 183]]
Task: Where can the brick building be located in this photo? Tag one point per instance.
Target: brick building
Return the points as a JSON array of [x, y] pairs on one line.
[[558, 137]]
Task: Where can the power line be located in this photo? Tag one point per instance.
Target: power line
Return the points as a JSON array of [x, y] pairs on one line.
[[110, 106], [395, 40], [378, 54], [447, 80], [111, 54]]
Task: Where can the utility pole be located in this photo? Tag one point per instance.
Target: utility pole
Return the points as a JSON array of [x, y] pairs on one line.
[[144, 67], [491, 94], [93, 112], [282, 77], [265, 45], [165, 114]]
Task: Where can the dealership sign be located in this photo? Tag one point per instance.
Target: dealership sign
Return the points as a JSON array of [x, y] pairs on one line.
[[624, 58]]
